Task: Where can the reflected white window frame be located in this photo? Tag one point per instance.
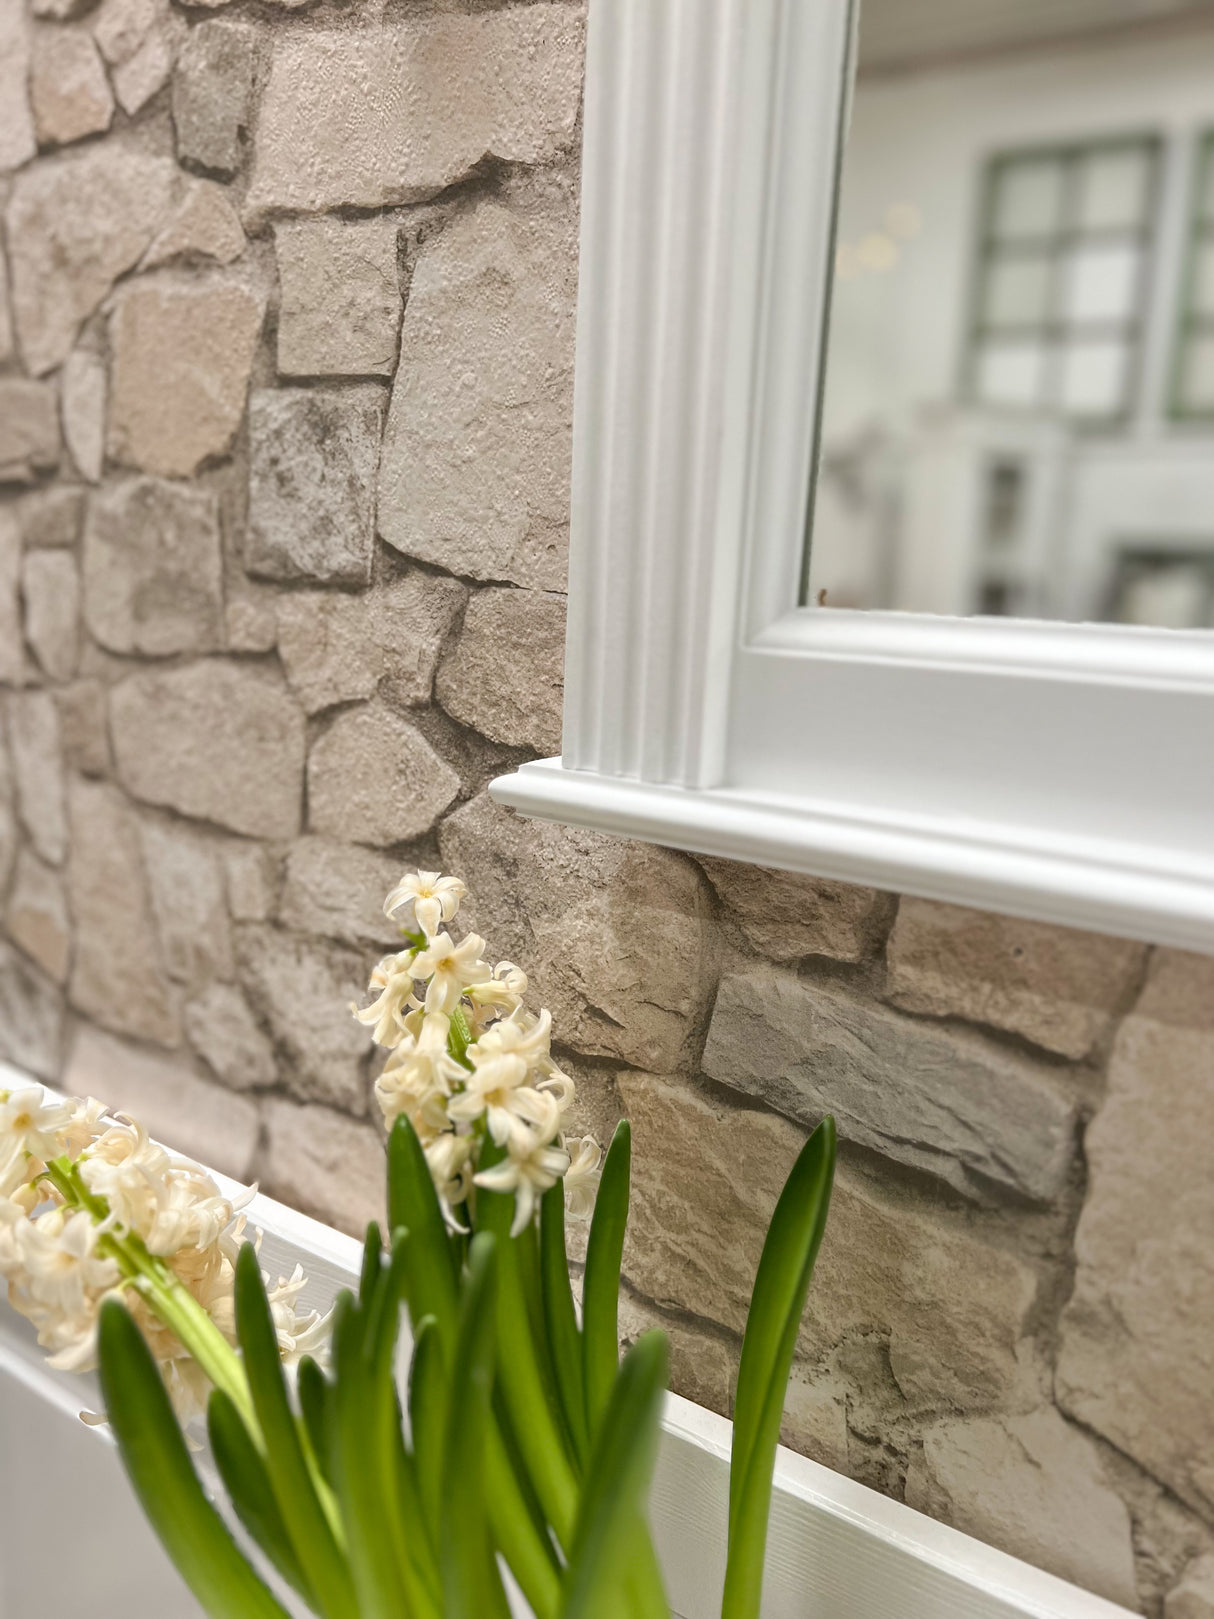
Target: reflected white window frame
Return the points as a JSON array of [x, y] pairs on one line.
[[1061, 772]]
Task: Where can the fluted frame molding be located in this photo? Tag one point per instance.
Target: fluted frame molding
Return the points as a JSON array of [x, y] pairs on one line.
[[1055, 771]]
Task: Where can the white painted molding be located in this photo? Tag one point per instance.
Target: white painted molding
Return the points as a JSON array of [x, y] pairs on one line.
[[836, 1548], [1062, 772]]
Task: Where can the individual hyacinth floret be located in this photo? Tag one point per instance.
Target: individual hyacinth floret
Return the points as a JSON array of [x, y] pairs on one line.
[[470, 1065], [90, 1207]]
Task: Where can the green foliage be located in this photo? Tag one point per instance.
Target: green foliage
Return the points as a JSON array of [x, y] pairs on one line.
[[527, 1439]]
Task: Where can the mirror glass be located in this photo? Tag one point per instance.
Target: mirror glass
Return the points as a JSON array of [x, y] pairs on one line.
[[1019, 396]]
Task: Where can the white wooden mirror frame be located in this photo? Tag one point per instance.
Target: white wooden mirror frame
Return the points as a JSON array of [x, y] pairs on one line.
[[1063, 772]]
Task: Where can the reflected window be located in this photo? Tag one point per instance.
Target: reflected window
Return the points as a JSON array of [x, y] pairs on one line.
[[1062, 262], [1193, 389]]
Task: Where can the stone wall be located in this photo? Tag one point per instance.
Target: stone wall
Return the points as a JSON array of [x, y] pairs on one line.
[[286, 315]]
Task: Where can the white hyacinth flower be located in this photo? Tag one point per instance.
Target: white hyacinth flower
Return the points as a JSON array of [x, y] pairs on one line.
[[529, 1168], [450, 968], [432, 899]]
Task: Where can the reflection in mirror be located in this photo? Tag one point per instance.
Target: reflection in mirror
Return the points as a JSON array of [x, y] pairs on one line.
[[1019, 401]]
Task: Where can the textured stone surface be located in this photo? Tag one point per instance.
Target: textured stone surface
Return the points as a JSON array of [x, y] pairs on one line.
[[1193, 1598], [117, 973], [373, 778], [786, 915], [212, 86], [186, 881], [506, 673], [338, 648], [222, 742], [9, 836], [36, 917], [145, 72], [6, 319], [1137, 1355], [398, 113], [225, 1034], [29, 430], [1055, 986], [328, 1166], [33, 736], [705, 1182], [183, 353], [337, 890], [304, 991], [184, 1112], [956, 1107], [612, 933], [1033, 1486], [69, 92], [339, 297], [476, 458], [204, 226], [83, 392], [152, 568], [12, 653], [50, 588], [31, 1016], [17, 140], [52, 517], [312, 483], [251, 881], [83, 729], [74, 224]]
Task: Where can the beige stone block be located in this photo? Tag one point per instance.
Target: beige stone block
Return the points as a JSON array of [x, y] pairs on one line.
[[9, 835], [475, 470], [7, 341], [17, 141], [31, 1016], [212, 91], [1033, 1486], [145, 72], [326, 1165], [397, 113], [50, 518], [252, 881], [339, 297], [74, 224], [613, 934], [218, 741], [37, 917], [183, 354], [505, 675], [941, 1101], [36, 749], [251, 623], [205, 1122], [83, 729], [312, 459], [1057, 987], [189, 902], [305, 992], [339, 648], [204, 226], [1137, 1351], [29, 430], [12, 651], [83, 392], [69, 91], [120, 27], [952, 1307], [373, 778], [786, 915], [153, 568], [223, 1031], [118, 976], [50, 587], [1193, 1598], [337, 891]]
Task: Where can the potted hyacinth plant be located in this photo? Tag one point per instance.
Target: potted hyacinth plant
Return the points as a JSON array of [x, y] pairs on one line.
[[518, 1451]]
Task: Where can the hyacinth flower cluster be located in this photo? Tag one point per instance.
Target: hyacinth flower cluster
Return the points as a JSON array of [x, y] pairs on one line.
[[469, 1066], [518, 1453], [91, 1209]]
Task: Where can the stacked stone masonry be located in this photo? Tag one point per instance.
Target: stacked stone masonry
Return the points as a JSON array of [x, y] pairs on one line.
[[286, 348]]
